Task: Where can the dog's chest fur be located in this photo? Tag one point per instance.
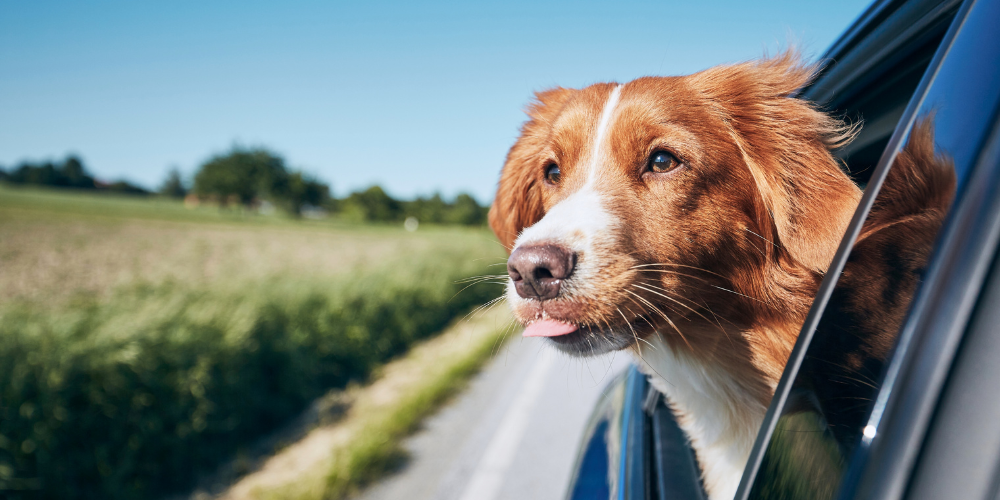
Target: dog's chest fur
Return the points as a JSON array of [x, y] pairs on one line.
[[713, 407]]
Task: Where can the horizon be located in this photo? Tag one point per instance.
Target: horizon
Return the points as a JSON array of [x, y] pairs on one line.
[[419, 99]]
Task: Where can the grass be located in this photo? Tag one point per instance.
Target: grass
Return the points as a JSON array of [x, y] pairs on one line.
[[56, 245], [376, 449], [143, 342], [45, 203], [390, 409]]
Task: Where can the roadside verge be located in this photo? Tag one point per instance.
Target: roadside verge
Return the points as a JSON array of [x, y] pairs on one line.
[[335, 460]]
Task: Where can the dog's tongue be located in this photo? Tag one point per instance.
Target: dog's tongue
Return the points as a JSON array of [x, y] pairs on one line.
[[548, 328]]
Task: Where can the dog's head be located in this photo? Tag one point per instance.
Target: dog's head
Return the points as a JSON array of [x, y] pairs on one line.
[[669, 202]]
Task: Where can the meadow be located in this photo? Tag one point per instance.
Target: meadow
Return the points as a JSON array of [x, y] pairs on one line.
[[142, 343]]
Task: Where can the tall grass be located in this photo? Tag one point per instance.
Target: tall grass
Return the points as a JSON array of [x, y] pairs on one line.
[[133, 392]]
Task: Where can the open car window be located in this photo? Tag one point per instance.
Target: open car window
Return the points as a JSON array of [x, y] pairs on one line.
[[826, 410]]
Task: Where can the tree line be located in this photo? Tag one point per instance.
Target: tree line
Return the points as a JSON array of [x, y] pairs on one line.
[[255, 179], [69, 173]]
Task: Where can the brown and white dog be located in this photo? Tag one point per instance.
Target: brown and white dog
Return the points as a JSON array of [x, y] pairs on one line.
[[687, 219]]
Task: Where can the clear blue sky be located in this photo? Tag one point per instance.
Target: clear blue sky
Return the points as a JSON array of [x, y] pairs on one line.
[[416, 96]]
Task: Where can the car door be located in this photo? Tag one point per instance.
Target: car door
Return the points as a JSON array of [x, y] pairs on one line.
[[860, 411]]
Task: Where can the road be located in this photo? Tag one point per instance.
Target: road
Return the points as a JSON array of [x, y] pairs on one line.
[[512, 434]]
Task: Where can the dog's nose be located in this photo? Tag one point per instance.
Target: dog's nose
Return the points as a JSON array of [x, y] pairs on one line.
[[538, 270]]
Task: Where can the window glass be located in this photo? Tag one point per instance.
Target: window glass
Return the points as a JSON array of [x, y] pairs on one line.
[[878, 109], [825, 417]]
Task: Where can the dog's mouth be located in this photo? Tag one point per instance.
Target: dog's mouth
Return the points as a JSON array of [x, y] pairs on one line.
[[586, 340], [549, 328]]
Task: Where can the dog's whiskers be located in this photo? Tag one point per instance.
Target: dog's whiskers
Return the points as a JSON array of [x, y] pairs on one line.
[[761, 237], [738, 293], [718, 323], [634, 335], [484, 277], [644, 318], [678, 302], [720, 288], [476, 283], [757, 249], [669, 321], [677, 265], [485, 308], [668, 271]]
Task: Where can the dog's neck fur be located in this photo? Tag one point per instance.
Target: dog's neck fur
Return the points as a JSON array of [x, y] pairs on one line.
[[720, 387], [714, 408]]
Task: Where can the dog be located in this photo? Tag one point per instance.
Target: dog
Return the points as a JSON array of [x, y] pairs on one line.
[[686, 219]]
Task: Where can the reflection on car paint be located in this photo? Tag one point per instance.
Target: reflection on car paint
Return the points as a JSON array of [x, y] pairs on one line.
[[597, 468]]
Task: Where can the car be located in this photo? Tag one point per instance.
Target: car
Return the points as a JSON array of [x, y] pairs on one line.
[[913, 413]]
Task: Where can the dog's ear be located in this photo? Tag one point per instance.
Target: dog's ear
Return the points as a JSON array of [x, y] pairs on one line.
[[518, 204], [786, 143]]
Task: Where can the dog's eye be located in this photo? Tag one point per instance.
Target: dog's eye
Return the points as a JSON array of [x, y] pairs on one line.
[[552, 173], [662, 161]]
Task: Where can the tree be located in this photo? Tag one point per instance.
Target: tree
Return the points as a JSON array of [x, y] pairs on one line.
[[254, 175], [173, 185], [467, 211], [70, 173], [74, 174], [428, 210], [302, 191], [242, 174], [373, 204]]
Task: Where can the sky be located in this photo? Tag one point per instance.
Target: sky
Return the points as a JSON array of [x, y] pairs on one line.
[[418, 97]]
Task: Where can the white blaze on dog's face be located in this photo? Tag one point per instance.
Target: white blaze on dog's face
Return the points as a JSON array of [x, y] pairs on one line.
[[578, 223], [665, 204]]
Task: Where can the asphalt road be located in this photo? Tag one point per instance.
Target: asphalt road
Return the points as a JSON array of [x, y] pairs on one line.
[[513, 434]]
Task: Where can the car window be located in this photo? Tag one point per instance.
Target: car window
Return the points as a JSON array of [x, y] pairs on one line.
[[876, 98], [878, 108], [825, 413]]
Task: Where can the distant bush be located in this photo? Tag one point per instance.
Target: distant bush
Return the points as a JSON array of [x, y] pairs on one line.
[[375, 205], [131, 397], [247, 176], [71, 173]]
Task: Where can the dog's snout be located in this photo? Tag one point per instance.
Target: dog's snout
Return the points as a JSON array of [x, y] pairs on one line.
[[538, 270]]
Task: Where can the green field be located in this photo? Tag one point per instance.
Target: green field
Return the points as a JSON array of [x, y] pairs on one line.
[[144, 342]]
